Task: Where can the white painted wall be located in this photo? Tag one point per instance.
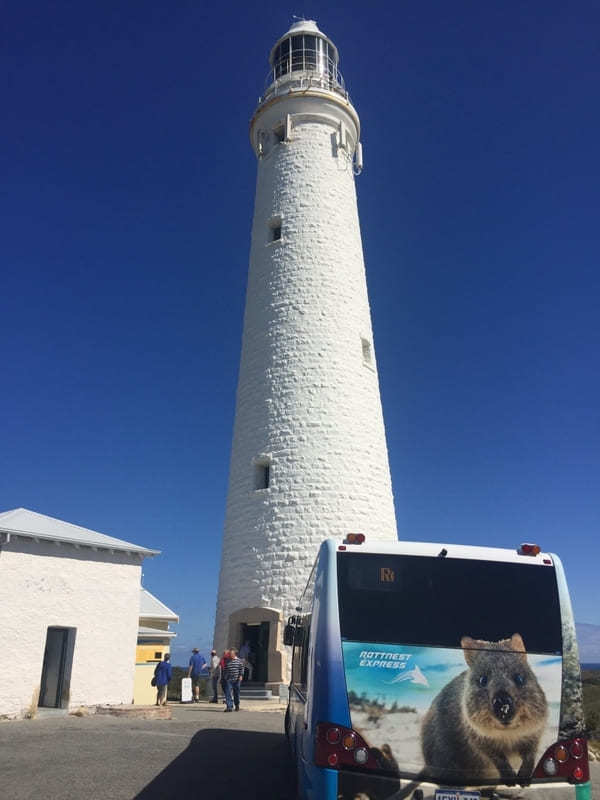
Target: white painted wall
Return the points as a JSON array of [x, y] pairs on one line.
[[306, 400], [41, 585]]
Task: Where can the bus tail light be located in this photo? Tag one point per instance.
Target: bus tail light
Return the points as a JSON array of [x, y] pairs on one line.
[[333, 735], [354, 538], [337, 747], [529, 550], [566, 759]]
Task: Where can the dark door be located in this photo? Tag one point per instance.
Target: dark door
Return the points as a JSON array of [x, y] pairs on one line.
[[53, 670], [255, 641]]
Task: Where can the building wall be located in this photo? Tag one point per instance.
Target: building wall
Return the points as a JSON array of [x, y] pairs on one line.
[[43, 584], [146, 651], [144, 694], [308, 399]]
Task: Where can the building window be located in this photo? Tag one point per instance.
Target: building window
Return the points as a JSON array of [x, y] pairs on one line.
[[262, 475], [367, 352], [283, 131], [158, 655], [275, 229]]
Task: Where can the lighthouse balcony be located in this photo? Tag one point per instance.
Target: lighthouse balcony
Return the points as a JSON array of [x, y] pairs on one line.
[[303, 81]]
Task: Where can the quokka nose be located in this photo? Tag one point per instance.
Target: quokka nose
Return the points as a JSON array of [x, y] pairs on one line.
[[504, 706]]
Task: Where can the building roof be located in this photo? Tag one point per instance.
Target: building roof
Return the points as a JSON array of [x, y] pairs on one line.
[[145, 632], [150, 606], [31, 525]]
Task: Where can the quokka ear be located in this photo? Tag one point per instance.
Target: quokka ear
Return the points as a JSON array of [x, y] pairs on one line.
[[518, 645], [470, 645]]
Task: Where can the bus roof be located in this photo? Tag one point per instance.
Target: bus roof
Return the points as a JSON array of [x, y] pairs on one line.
[[451, 551]]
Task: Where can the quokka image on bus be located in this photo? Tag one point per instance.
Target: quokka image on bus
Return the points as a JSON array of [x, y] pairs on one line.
[[440, 672]]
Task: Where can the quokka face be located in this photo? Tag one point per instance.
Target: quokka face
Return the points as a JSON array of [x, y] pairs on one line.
[[502, 693]]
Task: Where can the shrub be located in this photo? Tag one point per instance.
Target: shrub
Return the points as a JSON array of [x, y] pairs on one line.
[[591, 702]]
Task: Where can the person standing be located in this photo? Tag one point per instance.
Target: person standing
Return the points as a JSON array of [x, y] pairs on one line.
[[215, 674], [234, 672], [244, 650], [196, 666], [224, 659], [162, 675]]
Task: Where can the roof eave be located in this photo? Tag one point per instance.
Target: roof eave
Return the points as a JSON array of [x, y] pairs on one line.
[[142, 551]]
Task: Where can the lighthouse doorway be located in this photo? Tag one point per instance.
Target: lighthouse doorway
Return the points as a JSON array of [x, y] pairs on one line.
[[255, 649], [261, 630]]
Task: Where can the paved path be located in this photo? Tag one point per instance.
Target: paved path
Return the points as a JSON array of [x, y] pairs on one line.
[[200, 753]]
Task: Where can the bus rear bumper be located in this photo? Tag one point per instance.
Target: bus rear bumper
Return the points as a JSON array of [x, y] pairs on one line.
[[317, 783], [376, 787]]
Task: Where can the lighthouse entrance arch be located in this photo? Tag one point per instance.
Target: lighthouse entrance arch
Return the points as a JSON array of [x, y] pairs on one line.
[[258, 631]]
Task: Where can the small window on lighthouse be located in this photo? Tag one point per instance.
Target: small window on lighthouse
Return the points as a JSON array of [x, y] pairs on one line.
[[262, 475], [283, 131], [367, 352], [275, 229]]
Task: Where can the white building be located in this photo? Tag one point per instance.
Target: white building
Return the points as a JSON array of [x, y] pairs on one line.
[[69, 614], [309, 457]]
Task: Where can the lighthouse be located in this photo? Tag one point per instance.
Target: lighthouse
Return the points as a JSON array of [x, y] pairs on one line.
[[309, 458]]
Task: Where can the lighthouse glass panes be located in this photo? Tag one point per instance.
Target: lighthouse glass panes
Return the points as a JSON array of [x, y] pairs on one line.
[[305, 53]]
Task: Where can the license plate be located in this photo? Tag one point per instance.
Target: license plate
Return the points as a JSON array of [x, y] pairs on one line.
[[455, 794]]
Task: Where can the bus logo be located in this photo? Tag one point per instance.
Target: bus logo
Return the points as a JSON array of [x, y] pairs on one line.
[[386, 575]]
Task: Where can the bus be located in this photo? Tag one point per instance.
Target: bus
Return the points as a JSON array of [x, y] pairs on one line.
[[435, 672]]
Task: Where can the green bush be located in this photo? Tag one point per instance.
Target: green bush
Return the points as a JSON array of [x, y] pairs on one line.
[[591, 701]]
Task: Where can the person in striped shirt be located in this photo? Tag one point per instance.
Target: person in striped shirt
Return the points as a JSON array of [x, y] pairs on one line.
[[233, 674]]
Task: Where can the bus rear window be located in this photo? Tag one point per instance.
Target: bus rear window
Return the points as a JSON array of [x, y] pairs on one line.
[[428, 601]]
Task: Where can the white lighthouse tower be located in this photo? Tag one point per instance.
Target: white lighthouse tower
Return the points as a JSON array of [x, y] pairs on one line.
[[309, 458]]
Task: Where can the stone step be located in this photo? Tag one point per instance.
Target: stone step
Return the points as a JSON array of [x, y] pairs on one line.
[[256, 694], [41, 712]]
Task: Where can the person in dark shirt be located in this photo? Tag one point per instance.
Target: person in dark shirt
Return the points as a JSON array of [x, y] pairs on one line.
[[162, 674], [233, 674]]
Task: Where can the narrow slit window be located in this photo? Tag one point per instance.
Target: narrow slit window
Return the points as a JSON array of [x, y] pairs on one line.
[[367, 352], [280, 133], [262, 476], [275, 229]]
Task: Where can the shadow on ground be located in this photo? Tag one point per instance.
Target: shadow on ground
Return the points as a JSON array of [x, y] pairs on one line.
[[226, 763]]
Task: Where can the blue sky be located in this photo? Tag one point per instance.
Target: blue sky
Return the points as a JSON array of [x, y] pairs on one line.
[[126, 205]]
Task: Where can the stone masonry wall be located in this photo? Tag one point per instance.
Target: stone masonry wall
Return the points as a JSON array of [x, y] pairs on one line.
[[307, 402]]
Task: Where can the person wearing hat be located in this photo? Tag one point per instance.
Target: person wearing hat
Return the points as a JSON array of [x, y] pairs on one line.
[[197, 663], [214, 670]]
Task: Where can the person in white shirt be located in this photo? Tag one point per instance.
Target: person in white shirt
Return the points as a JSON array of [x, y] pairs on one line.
[[215, 674]]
